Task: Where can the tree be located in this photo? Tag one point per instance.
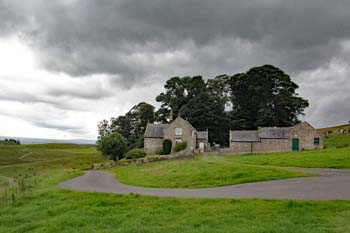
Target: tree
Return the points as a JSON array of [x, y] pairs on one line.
[[131, 126], [179, 91], [264, 96], [201, 103], [113, 145], [103, 128], [206, 112]]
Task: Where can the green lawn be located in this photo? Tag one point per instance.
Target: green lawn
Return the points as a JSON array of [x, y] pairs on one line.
[[49, 209], [46, 208], [2, 181], [211, 171], [203, 171], [337, 140], [328, 158]]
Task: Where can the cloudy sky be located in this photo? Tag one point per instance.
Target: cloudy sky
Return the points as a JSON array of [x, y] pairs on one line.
[[66, 64]]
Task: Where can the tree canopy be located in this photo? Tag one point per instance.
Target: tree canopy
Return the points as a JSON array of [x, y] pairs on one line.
[[263, 96], [131, 126], [113, 145]]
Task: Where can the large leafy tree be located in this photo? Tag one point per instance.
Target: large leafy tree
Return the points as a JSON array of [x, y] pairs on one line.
[[200, 103], [131, 126], [113, 145], [179, 91], [264, 96], [206, 112]]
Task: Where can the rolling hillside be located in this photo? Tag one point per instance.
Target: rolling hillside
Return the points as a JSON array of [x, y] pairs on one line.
[[333, 128]]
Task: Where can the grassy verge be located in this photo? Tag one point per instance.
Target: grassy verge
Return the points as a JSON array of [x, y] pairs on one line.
[[2, 181], [197, 173], [337, 140], [328, 158], [46, 208]]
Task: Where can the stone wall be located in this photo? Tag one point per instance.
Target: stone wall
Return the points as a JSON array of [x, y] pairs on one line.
[[152, 145], [179, 155], [272, 145], [306, 134]]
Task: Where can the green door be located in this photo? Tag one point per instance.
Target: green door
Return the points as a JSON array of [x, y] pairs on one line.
[[295, 144]]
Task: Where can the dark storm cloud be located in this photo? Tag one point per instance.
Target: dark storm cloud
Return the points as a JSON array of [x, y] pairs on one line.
[[137, 42], [92, 36]]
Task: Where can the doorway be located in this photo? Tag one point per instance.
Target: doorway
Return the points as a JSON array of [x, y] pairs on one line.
[[295, 144]]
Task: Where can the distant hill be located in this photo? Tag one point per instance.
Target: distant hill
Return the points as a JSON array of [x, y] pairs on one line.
[[45, 140], [333, 128]]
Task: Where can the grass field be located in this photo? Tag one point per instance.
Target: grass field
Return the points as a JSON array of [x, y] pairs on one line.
[[333, 128], [2, 181], [203, 171], [212, 171], [46, 208], [337, 140], [49, 209], [328, 158], [32, 160]]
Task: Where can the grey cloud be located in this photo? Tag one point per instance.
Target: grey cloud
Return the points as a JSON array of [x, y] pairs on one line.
[[138, 42], [91, 36], [59, 127]]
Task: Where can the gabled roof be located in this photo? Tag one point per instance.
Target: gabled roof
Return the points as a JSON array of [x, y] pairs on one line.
[[245, 136], [179, 118], [155, 130], [275, 133], [202, 134]]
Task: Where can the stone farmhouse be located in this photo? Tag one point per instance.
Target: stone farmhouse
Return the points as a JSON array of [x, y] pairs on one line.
[[179, 130], [272, 139]]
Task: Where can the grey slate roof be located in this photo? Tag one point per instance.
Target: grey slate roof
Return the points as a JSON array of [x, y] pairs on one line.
[[275, 133], [245, 136], [201, 134], [155, 130]]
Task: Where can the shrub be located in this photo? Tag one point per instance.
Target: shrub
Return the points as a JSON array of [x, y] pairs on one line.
[[179, 146], [135, 154], [167, 144], [160, 151], [113, 145]]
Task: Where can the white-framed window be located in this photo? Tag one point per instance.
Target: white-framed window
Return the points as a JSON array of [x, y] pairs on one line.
[[178, 140], [178, 131]]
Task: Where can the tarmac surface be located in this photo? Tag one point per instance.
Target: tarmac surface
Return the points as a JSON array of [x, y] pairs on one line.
[[332, 184]]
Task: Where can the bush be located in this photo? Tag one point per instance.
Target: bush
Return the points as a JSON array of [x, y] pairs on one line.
[[160, 151], [135, 154], [179, 146], [113, 145], [167, 144]]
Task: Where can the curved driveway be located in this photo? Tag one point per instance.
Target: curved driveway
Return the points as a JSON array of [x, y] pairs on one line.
[[333, 184]]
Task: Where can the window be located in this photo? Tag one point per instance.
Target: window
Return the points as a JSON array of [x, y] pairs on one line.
[[316, 141], [178, 131]]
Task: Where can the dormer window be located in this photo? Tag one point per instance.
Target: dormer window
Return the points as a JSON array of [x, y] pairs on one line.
[[178, 131]]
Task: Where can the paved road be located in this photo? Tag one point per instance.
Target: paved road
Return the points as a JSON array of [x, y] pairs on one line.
[[332, 185]]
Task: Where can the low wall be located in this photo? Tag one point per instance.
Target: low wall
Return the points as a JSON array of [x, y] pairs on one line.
[[178, 155]]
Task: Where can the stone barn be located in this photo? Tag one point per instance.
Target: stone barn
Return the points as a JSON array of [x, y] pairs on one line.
[[276, 139], [178, 130]]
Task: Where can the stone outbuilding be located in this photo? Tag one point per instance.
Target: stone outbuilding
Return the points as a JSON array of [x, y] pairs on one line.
[[276, 139], [179, 130]]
